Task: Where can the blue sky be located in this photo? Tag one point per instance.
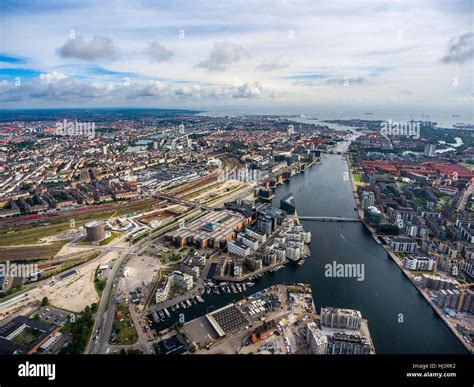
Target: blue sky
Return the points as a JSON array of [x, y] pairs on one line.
[[266, 53]]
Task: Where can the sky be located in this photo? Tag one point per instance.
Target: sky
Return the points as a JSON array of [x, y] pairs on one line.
[[200, 54]]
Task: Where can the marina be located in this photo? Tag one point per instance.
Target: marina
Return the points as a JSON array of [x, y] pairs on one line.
[[381, 295]]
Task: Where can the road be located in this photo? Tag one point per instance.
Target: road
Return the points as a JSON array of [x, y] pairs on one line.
[[105, 313]]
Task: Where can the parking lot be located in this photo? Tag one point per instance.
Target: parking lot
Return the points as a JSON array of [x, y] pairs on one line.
[[53, 315]]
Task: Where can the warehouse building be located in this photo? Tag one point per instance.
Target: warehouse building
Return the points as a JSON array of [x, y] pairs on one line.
[[211, 230]]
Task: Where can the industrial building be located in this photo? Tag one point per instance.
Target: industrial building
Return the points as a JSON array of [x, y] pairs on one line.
[[263, 331], [174, 345], [95, 231], [227, 319], [213, 230]]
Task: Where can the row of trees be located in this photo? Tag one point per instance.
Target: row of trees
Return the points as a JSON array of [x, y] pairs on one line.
[[81, 330]]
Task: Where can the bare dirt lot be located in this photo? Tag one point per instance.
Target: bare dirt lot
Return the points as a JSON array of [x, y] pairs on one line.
[[73, 293]]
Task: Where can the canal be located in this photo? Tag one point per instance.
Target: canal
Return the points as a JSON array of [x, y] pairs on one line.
[[400, 320]]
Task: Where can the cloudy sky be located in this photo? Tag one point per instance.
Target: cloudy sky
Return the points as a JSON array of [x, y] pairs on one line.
[[199, 53]]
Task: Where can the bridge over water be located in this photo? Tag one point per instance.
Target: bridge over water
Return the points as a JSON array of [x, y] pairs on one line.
[[328, 219]]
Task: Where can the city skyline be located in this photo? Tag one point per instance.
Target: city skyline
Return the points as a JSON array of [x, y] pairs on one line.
[[280, 177]]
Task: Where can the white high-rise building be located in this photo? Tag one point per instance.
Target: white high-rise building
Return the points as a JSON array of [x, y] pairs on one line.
[[341, 318], [316, 339], [368, 199], [430, 150]]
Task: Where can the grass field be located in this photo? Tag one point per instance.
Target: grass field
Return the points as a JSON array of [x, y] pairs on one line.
[[29, 234], [124, 329], [31, 252]]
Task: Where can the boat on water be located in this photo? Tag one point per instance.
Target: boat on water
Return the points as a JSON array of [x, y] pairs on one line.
[[162, 315], [155, 317], [194, 301], [200, 299], [234, 290], [208, 291], [183, 305], [239, 288], [244, 288], [167, 313], [301, 262], [249, 284], [189, 303]]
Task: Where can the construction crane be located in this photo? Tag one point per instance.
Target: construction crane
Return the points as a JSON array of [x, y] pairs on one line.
[[111, 216], [461, 299]]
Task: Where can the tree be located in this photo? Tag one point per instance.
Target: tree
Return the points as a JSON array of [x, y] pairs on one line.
[[45, 301]]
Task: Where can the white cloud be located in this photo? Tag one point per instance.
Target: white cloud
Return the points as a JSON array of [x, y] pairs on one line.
[[248, 90], [54, 87], [99, 47], [460, 49], [158, 52], [51, 78], [222, 55], [332, 38], [272, 64]]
